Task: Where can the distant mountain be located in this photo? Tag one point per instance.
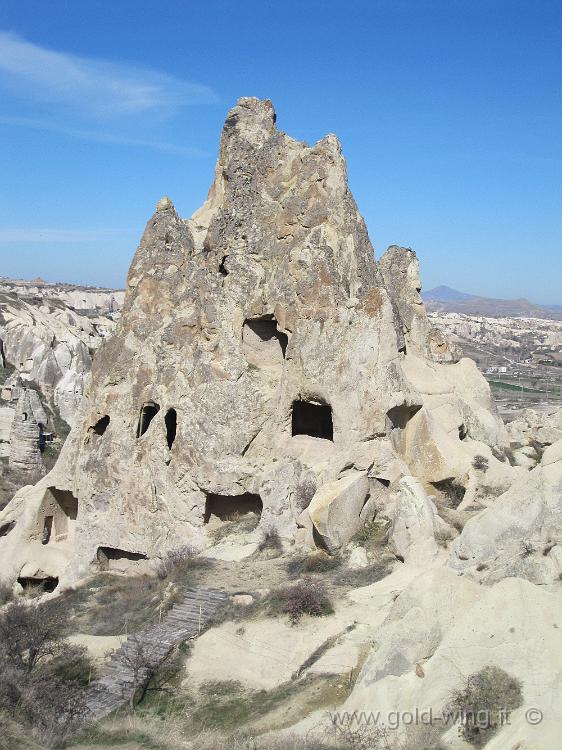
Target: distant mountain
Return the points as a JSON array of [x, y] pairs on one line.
[[446, 294], [445, 299]]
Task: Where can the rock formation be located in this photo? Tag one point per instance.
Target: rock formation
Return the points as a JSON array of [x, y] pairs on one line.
[[261, 350], [50, 343], [25, 436]]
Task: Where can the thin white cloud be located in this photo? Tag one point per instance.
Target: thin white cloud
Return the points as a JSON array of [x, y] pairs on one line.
[[90, 86], [103, 137], [60, 235]]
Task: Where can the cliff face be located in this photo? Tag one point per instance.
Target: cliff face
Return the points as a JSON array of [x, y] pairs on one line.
[[49, 342], [260, 349]]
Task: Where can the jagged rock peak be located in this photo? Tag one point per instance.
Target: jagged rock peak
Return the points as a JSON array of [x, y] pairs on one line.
[[164, 204], [259, 348]]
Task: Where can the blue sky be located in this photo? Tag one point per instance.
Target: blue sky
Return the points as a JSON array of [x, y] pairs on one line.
[[449, 112]]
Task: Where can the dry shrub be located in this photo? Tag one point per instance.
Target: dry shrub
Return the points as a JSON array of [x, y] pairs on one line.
[[6, 593], [42, 676], [317, 563], [484, 702], [175, 561], [306, 489], [306, 597]]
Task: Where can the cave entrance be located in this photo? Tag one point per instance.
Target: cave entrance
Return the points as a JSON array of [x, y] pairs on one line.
[[47, 530], [263, 343], [171, 420], [399, 416], [6, 528], [113, 558], [312, 418], [397, 420], [231, 507], [101, 425], [147, 414], [39, 585], [60, 510]]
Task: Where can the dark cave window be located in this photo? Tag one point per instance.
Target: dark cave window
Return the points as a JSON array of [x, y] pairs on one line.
[[171, 420], [230, 507], [148, 412], [101, 425], [312, 418], [266, 330]]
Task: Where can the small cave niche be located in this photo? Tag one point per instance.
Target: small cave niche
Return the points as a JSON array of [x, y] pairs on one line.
[[101, 425], [231, 507], [44, 585], [59, 513], [171, 421], [263, 343], [312, 418], [147, 414], [113, 558], [463, 432], [222, 267], [6, 528], [399, 416], [47, 530], [452, 492]]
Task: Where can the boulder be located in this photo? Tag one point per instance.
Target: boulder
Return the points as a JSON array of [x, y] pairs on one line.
[[335, 509]]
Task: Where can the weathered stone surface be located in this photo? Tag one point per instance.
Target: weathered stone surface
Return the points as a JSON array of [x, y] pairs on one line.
[[51, 343], [521, 532], [335, 509], [400, 269], [260, 351], [6, 419], [25, 434], [414, 523]]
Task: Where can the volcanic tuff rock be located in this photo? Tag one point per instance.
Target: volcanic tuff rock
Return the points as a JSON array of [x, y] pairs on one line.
[[25, 454], [263, 361], [49, 342]]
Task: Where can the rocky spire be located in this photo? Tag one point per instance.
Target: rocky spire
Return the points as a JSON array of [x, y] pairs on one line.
[[25, 435]]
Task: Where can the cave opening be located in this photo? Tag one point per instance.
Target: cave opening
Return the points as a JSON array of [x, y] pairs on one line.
[[47, 584], [6, 528], [263, 342], [171, 421], [113, 558], [312, 418], [399, 416], [231, 507], [147, 414], [101, 425]]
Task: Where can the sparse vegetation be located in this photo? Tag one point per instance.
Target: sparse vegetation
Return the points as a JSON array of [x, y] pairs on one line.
[[305, 491], [42, 676], [451, 491], [484, 702], [176, 561], [131, 603], [236, 524], [354, 578], [373, 532], [270, 544], [480, 463], [316, 563], [527, 549], [6, 593], [306, 597]]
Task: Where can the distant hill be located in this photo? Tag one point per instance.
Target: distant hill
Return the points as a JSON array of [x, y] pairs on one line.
[[446, 294], [443, 298]]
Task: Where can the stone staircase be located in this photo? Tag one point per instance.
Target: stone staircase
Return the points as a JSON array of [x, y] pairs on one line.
[[184, 621]]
